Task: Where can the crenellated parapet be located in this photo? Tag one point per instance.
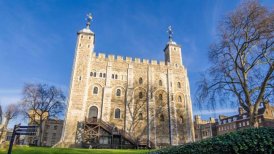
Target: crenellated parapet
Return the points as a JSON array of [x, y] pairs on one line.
[[119, 58]]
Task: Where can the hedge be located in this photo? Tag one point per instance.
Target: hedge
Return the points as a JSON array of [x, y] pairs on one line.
[[247, 141]]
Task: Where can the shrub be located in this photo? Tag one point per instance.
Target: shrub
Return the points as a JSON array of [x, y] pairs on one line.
[[247, 141]]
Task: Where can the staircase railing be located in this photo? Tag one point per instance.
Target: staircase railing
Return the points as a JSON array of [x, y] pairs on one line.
[[110, 128]]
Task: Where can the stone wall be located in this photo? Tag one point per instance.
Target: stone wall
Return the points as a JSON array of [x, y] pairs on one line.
[[154, 99]]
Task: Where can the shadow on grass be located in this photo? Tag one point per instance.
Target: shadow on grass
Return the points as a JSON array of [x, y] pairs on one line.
[[45, 150]]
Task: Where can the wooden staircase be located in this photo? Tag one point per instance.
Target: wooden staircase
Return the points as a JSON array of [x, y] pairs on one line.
[[93, 126]]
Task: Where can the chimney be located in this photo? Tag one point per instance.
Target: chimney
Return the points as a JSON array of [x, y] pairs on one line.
[[197, 118], [266, 104], [241, 110], [211, 120]]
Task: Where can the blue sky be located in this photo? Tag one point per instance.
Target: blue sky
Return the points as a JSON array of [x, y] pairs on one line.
[[37, 39]]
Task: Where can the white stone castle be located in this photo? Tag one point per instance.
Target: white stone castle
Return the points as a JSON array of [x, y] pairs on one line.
[[118, 102]]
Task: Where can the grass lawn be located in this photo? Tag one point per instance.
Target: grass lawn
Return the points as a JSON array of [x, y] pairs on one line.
[[45, 150]]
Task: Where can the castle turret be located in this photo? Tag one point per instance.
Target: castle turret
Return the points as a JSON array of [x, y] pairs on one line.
[[79, 84], [172, 51]]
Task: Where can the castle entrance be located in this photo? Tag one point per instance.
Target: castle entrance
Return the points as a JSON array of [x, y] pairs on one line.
[[93, 114]]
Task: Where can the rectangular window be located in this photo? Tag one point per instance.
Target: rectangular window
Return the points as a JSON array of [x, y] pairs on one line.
[[53, 136], [247, 123], [243, 123], [240, 124]]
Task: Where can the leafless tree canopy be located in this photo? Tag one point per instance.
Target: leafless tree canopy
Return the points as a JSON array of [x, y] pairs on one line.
[[40, 102], [11, 112], [242, 60]]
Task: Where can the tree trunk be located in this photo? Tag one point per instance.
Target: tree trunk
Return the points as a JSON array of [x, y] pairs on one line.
[[40, 134], [4, 130], [253, 119]]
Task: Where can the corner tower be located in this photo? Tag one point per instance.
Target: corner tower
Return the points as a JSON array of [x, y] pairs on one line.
[[78, 86], [172, 51]]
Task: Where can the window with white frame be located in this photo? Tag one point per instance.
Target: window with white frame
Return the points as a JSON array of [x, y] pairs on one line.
[[234, 118]]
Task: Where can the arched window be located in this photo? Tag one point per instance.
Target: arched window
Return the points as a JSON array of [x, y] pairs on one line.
[[140, 116], [101, 74], [140, 81], [116, 76], [179, 85], [181, 119], [112, 76], [94, 74], [117, 113], [160, 83], [179, 99], [140, 95], [160, 97], [162, 118], [93, 112], [95, 90], [118, 92]]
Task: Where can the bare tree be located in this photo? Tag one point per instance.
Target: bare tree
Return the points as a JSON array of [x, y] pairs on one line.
[[137, 108], [10, 113], [40, 102], [242, 60]]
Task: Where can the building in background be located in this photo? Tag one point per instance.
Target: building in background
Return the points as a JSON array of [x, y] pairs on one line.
[[225, 124], [241, 120], [9, 134], [52, 132], [204, 128]]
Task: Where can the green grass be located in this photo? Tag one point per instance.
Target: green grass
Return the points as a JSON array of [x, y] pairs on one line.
[[45, 150]]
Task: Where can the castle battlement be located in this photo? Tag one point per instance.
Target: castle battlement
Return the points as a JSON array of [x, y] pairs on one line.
[[102, 56]]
